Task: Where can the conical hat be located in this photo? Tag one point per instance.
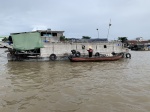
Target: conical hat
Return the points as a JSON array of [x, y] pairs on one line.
[[90, 47]]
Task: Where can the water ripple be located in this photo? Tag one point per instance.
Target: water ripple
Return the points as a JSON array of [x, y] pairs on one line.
[[63, 86]]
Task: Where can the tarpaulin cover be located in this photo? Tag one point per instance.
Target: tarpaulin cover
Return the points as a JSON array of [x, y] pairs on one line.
[[27, 41]]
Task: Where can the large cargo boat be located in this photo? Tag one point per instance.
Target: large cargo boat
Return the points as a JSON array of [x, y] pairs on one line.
[[45, 45]]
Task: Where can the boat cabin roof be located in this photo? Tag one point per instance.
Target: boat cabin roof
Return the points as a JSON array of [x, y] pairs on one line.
[[40, 31]]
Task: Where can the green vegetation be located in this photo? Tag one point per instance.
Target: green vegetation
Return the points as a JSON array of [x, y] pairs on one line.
[[86, 37], [63, 38], [5, 39], [123, 39]]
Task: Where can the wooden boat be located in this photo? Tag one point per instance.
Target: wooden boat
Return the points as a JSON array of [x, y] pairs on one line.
[[96, 59]]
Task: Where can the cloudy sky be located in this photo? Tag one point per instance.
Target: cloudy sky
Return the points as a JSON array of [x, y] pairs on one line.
[[129, 18]]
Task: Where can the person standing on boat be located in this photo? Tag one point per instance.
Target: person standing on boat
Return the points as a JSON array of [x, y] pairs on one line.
[[10, 40], [90, 52]]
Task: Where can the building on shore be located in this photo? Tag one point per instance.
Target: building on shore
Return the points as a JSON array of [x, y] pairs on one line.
[[139, 45]]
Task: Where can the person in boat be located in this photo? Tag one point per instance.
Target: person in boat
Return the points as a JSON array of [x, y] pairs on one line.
[[90, 50], [10, 40]]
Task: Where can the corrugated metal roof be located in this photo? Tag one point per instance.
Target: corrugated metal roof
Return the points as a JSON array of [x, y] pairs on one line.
[[48, 31]]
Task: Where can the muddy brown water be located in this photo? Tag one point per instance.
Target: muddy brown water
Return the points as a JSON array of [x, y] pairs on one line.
[[63, 86]]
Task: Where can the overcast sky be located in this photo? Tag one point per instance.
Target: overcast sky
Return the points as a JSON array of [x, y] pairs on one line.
[[129, 18]]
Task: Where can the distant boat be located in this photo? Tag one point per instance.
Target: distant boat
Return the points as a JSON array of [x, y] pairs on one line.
[[96, 59]]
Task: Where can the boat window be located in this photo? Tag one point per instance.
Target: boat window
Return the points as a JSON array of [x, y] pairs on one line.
[[54, 34], [105, 46], [46, 34]]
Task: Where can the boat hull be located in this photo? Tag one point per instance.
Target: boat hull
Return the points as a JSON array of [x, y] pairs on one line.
[[95, 59]]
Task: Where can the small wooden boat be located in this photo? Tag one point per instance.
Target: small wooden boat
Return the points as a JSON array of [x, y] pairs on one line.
[[96, 59]]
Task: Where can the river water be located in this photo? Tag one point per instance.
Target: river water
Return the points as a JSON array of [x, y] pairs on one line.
[[62, 86]]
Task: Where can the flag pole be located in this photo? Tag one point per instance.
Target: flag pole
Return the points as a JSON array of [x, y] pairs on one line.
[[108, 29]]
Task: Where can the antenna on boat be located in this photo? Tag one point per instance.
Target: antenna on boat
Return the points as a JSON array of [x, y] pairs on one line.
[[109, 29], [98, 32]]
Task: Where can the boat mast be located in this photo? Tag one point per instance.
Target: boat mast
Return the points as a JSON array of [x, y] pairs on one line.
[[109, 29], [98, 32]]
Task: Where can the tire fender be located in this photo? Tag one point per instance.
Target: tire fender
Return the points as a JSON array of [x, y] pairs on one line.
[[53, 57], [97, 54], [78, 54], [128, 55], [73, 51], [83, 46]]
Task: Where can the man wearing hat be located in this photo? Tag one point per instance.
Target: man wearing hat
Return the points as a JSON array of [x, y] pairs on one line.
[[90, 50]]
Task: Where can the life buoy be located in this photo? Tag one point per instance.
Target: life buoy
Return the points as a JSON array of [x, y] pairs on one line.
[[73, 51], [77, 54], [122, 54], [53, 57], [113, 53], [97, 54], [83, 46], [128, 55]]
